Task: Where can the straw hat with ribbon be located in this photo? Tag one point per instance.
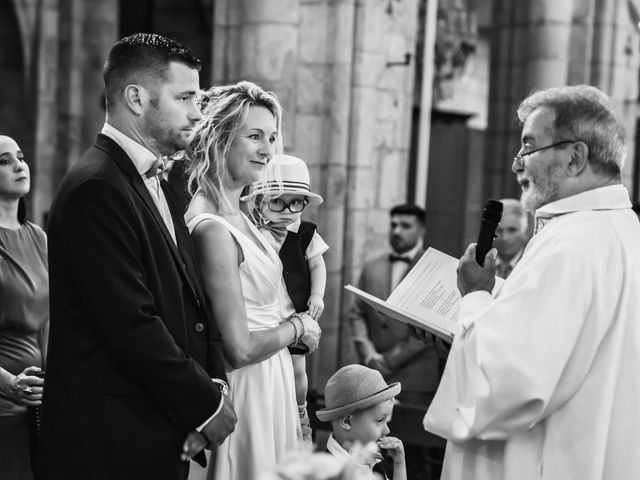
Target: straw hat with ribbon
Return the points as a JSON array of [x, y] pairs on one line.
[[285, 174], [354, 387]]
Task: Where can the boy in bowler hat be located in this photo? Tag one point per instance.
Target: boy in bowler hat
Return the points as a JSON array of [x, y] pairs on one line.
[[358, 405]]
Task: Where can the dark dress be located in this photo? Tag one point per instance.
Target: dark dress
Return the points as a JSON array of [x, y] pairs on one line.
[[24, 313]]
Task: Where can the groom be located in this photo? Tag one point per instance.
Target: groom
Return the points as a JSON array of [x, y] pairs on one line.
[[135, 362]]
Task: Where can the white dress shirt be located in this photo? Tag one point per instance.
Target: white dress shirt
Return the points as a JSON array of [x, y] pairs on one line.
[[542, 381], [143, 159], [399, 269], [365, 471], [504, 267]]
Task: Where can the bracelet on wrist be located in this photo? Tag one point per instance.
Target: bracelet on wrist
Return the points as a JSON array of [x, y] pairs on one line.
[[295, 330], [302, 329]]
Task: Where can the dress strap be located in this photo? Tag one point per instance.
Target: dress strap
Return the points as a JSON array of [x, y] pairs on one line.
[[238, 237], [201, 217]]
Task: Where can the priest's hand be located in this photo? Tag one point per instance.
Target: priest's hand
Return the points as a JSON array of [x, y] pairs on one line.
[[473, 277]]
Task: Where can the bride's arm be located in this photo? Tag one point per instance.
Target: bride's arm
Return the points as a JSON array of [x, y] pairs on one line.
[[219, 256]]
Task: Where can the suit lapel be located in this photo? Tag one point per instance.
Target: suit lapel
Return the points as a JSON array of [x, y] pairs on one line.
[[182, 237], [124, 162]]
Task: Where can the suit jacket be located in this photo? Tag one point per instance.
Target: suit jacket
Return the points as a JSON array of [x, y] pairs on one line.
[[412, 362], [132, 347]]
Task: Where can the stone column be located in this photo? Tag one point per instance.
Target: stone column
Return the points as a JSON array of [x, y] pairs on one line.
[[46, 60], [379, 137], [75, 36], [258, 41], [100, 32], [18, 34], [529, 51], [322, 138], [613, 67], [542, 44]]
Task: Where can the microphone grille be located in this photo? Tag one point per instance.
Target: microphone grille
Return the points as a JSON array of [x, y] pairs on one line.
[[493, 210]]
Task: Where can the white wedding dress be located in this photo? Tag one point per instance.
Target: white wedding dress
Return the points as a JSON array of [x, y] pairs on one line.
[[263, 393]]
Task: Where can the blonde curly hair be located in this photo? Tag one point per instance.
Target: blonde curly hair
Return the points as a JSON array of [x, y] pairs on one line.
[[224, 110]]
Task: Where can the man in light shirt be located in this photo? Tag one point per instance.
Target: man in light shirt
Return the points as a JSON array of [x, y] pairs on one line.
[[542, 380], [135, 372], [512, 236]]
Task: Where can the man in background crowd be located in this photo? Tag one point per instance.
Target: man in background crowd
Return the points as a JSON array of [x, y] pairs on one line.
[[512, 236], [385, 344]]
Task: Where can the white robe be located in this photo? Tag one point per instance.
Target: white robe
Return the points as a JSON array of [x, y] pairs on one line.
[[543, 382]]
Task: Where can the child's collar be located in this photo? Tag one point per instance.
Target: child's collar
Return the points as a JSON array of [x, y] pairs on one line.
[[336, 450], [295, 226]]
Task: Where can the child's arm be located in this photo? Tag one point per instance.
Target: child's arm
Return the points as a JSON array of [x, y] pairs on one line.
[[318, 273], [395, 449]]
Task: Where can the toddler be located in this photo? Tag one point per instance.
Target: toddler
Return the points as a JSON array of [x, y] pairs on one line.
[[278, 201]]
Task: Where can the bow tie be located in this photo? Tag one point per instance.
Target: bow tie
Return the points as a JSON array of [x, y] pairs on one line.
[[399, 258], [157, 167], [278, 230]]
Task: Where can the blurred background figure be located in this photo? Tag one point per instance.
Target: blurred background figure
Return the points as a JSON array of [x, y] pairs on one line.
[[303, 465], [385, 344], [24, 313], [513, 235]]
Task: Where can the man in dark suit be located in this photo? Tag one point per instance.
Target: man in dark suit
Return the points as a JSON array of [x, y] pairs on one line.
[[135, 364], [387, 346]]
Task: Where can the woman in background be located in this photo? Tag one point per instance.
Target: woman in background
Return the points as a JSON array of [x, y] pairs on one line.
[[24, 313], [242, 275]]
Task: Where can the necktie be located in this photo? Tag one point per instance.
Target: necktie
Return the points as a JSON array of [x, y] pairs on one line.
[[152, 179], [399, 258]]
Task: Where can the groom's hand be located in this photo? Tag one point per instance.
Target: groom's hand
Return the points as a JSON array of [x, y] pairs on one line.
[[194, 443], [222, 424]]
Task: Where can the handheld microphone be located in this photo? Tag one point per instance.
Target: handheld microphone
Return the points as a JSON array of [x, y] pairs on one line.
[[491, 215]]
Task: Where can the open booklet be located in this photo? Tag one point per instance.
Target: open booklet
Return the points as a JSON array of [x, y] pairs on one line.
[[427, 297]]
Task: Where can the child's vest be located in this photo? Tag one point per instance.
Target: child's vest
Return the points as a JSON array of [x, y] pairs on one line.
[[296, 273]]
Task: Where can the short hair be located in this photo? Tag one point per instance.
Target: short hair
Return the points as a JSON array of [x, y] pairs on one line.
[[514, 207], [409, 209], [142, 58], [224, 111], [583, 113]]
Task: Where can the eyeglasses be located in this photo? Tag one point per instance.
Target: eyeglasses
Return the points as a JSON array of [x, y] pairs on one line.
[[519, 157], [295, 206]]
